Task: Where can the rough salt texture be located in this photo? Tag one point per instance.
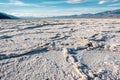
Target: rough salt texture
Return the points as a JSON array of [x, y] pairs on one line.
[[60, 49]]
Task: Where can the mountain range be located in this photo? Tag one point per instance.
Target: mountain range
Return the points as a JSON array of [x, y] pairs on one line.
[[105, 14], [7, 16]]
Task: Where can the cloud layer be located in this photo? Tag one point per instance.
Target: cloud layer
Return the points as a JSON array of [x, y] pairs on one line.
[[102, 1], [21, 3], [74, 1], [105, 1], [18, 3]]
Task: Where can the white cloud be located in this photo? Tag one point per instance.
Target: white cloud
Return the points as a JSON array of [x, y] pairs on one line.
[[60, 2], [102, 2], [113, 0], [114, 5], [18, 3], [105, 1], [74, 1], [53, 2]]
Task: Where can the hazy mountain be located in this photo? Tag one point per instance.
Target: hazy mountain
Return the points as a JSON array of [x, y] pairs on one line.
[[106, 14], [6, 16]]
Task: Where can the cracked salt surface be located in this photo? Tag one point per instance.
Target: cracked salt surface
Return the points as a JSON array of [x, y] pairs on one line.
[[60, 49]]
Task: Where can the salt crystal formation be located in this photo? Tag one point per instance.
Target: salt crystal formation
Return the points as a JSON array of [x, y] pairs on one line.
[[60, 49]]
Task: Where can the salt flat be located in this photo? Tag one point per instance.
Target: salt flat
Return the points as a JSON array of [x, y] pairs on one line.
[[60, 49]]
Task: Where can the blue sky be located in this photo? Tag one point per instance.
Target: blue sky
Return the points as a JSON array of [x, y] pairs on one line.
[[45, 8]]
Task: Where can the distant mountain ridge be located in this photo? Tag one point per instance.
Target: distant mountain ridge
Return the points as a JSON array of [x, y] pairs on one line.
[[105, 14], [7, 16]]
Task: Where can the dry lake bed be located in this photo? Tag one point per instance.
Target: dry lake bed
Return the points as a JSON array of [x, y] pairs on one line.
[[60, 49]]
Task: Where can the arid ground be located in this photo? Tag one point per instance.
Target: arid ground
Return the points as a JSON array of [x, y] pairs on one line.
[[60, 49]]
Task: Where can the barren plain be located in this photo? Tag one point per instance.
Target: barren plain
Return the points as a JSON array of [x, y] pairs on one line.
[[60, 49]]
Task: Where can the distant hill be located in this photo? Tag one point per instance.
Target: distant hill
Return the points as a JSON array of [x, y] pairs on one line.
[[7, 16], [106, 14]]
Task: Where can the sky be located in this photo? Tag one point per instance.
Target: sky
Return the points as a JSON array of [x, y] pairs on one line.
[[49, 8]]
